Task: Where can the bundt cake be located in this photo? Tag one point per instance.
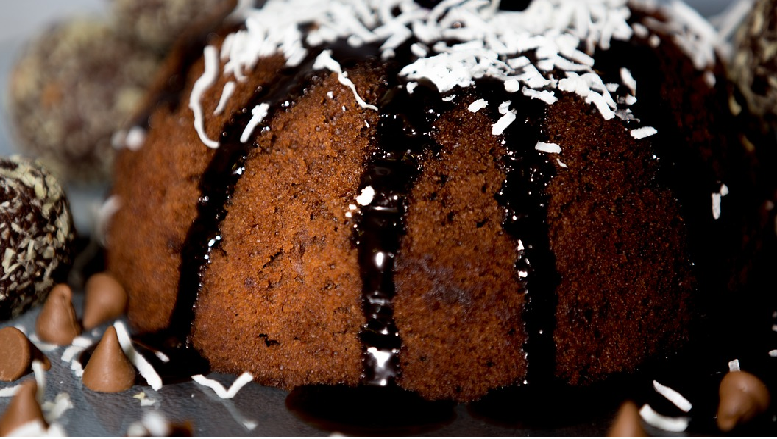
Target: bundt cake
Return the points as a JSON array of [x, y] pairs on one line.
[[449, 196]]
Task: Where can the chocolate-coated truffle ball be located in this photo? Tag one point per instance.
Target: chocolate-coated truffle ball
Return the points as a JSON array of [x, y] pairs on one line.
[[71, 90], [36, 235]]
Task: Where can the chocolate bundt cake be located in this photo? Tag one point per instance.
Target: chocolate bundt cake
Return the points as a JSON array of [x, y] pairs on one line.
[[450, 196]]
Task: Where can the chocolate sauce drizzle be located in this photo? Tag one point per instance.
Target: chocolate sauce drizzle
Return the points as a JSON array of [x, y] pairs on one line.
[[524, 199], [404, 134]]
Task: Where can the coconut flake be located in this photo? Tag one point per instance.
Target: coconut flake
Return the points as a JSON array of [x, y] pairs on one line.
[[546, 96], [641, 133], [325, 61], [203, 83], [675, 425], [673, 396], [628, 80], [548, 147], [9, 391], [43, 346], [733, 365], [217, 387], [134, 138], [258, 113], [54, 410], [503, 122], [39, 371], [366, 196], [144, 367], [226, 93], [478, 105]]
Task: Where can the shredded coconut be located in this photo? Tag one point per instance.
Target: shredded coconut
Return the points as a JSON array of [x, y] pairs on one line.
[[325, 61], [675, 425], [672, 395], [478, 105], [457, 42], [548, 147], [9, 391], [54, 410], [226, 93], [203, 83], [258, 113], [366, 196], [238, 384], [144, 367], [641, 133]]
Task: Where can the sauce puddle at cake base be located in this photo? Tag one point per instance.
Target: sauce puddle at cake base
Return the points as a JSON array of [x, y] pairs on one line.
[[368, 410]]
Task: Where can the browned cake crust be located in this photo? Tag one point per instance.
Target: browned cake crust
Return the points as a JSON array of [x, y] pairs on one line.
[[159, 182]]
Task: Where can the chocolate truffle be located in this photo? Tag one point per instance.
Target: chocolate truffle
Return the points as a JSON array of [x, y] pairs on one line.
[[36, 235], [17, 353], [742, 398], [71, 90], [108, 369], [105, 300], [57, 322], [156, 24], [754, 65], [24, 408]]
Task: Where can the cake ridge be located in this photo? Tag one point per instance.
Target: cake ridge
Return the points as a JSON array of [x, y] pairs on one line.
[[216, 186]]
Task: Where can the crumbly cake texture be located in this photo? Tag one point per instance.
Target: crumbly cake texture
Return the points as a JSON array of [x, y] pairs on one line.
[[546, 220], [71, 89], [36, 235]]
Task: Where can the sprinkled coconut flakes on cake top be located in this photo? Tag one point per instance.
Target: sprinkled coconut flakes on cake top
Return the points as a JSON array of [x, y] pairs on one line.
[[675, 425], [480, 42], [458, 42], [673, 396]]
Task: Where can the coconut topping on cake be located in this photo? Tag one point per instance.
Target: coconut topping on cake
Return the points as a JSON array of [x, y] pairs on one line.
[[454, 44]]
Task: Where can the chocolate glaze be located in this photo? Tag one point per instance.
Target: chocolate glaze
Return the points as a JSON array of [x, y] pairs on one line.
[[524, 200], [404, 133]]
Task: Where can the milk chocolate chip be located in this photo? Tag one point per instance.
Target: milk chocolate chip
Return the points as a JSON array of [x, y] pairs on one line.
[[24, 408], [17, 353], [109, 370], [57, 322], [742, 398], [105, 300], [627, 422]]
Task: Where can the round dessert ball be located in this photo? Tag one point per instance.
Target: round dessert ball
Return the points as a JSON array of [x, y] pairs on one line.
[[157, 23], [754, 64], [71, 89], [36, 235]]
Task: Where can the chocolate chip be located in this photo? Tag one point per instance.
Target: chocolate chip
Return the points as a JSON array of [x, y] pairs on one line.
[[105, 300], [742, 398], [627, 422], [108, 369], [17, 354], [57, 322], [23, 408]]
